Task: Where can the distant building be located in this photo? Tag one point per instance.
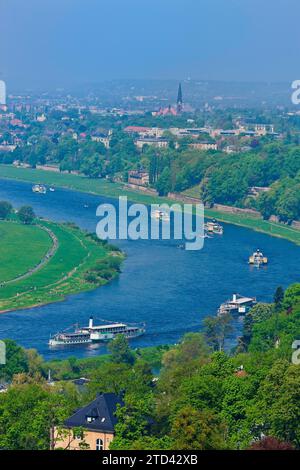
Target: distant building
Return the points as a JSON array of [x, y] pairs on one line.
[[2, 93], [204, 146], [7, 147], [41, 118], [137, 129], [249, 128], [144, 131], [263, 129], [188, 132], [17, 123], [152, 141], [103, 138], [230, 149], [139, 178], [97, 421], [171, 110], [255, 191]]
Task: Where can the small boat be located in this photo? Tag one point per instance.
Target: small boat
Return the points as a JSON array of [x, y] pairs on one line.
[[160, 215], [258, 259], [51, 190], [39, 188], [214, 227], [95, 334]]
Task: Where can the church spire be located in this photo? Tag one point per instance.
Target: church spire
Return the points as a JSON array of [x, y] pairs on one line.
[[179, 99]]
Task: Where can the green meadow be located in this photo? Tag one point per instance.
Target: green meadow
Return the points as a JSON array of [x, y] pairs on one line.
[[21, 248], [63, 274]]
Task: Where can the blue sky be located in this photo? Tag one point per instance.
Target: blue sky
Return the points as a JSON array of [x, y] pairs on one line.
[[68, 42]]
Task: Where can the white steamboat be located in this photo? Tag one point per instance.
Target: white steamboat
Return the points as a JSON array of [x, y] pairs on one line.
[[96, 333]]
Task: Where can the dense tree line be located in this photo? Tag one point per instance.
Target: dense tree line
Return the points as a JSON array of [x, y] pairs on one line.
[[203, 397], [227, 179], [25, 214]]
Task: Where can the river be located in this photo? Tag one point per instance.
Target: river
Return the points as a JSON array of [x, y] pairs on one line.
[[170, 289]]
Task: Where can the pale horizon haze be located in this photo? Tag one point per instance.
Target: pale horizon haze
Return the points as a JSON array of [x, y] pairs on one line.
[[53, 43]]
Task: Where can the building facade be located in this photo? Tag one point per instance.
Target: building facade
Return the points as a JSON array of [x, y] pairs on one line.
[[153, 142], [204, 146], [140, 178], [91, 427]]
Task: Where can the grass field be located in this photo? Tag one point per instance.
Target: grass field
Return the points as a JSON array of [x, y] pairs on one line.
[[21, 248], [63, 274], [78, 183], [259, 225], [105, 188]]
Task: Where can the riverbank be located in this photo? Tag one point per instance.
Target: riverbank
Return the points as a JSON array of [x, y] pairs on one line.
[[65, 369], [74, 262], [114, 190]]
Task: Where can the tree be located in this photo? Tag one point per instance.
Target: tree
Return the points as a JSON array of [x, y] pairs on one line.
[[291, 296], [61, 434], [198, 430], [278, 402], [271, 443], [109, 378], [92, 166], [134, 420], [179, 364], [120, 350], [16, 361], [163, 184], [217, 330], [35, 361], [28, 413], [26, 215], [259, 313], [288, 204], [5, 209], [278, 298], [189, 353]]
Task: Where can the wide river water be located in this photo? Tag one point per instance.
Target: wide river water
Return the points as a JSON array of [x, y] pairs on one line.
[[170, 289]]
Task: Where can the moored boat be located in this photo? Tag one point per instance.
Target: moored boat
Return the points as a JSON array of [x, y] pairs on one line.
[[238, 304]]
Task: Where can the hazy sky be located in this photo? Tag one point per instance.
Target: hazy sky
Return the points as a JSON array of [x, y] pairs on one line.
[[67, 42]]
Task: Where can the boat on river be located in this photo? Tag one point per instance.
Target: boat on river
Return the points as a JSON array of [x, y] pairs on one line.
[[96, 333], [39, 188], [160, 215], [258, 259], [214, 227]]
